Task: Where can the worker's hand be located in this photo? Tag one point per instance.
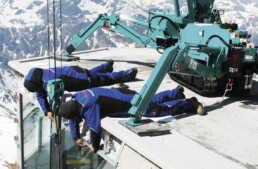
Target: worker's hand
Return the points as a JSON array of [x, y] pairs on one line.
[[92, 150], [50, 116], [80, 143]]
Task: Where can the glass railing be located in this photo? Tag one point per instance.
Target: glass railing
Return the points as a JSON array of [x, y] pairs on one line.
[[36, 129], [40, 150]]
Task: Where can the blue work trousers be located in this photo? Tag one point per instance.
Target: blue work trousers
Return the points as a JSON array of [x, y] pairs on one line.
[[163, 104], [100, 75]]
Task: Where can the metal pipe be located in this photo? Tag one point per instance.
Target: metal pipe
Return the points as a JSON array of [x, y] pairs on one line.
[[248, 81], [94, 161], [21, 130], [205, 49], [39, 133], [50, 147], [176, 6], [190, 9], [134, 20], [212, 50]]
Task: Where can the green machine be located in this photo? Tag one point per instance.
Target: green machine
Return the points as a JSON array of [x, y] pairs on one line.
[[55, 91], [198, 50]]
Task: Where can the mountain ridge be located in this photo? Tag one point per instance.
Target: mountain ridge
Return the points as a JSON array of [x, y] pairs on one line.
[[24, 29]]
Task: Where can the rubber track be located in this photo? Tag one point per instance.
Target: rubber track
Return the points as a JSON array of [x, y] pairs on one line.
[[206, 86]]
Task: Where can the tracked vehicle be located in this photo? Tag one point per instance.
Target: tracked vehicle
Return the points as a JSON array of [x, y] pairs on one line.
[[217, 138], [198, 51], [216, 52]]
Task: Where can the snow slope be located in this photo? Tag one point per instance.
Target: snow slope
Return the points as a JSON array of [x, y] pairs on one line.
[[7, 115], [23, 31]]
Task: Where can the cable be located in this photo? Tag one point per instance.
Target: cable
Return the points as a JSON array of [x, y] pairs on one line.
[[158, 49], [48, 28], [216, 36], [54, 22], [61, 32], [164, 17], [48, 32]]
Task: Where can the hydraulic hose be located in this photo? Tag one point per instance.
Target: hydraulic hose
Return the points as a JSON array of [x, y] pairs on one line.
[[161, 16], [158, 49], [220, 38]]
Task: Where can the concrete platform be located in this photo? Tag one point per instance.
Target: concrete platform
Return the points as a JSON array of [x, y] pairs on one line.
[[226, 138]]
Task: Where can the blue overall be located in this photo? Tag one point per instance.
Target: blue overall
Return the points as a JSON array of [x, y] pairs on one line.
[[76, 78], [100, 102]]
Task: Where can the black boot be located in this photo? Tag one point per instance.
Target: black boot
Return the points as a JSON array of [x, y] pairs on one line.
[[180, 90], [197, 107], [111, 62], [133, 73]]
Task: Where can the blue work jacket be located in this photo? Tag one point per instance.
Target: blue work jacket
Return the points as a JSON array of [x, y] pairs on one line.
[[75, 78], [100, 102]]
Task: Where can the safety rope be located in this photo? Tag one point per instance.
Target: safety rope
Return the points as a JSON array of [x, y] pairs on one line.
[[57, 117], [61, 34], [48, 32], [53, 96], [54, 32], [228, 88]]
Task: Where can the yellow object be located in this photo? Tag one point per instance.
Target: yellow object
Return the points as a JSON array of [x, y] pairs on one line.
[[12, 166], [77, 162]]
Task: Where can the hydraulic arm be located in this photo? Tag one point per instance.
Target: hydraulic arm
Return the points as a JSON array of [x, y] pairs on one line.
[[199, 51], [141, 101], [111, 23], [162, 28]]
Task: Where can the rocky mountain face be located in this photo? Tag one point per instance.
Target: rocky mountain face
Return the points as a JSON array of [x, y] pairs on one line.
[[24, 33], [7, 90], [7, 114]]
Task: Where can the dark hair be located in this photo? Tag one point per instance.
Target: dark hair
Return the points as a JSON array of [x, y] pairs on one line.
[[30, 86], [33, 80], [69, 110]]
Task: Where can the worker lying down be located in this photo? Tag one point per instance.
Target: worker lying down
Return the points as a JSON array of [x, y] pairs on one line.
[[96, 103], [74, 78]]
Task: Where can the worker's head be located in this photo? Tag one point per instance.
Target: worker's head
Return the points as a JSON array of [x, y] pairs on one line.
[[70, 109], [33, 80]]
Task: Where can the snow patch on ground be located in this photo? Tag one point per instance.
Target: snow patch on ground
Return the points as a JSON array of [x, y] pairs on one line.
[[8, 145]]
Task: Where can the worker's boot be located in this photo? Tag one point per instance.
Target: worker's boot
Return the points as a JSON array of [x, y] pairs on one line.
[[111, 62], [121, 86], [132, 73], [180, 90], [197, 107]]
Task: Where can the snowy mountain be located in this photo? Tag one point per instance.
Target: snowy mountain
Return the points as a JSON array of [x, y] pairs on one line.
[[23, 31], [24, 34], [7, 114]]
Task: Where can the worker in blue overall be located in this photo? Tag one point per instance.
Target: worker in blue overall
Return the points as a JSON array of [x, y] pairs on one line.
[[96, 103], [74, 78]]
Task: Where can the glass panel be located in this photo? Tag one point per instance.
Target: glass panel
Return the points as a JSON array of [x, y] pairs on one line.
[[36, 140], [74, 156], [40, 150]]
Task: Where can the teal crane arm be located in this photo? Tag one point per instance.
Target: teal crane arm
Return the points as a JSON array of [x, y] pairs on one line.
[[162, 28], [79, 38], [111, 23], [141, 101]]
